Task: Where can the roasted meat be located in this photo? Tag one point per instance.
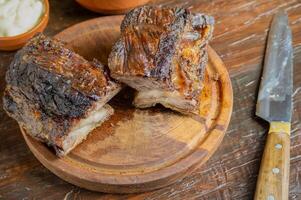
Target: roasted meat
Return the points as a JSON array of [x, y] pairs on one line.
[[56, 95], [162, 53]]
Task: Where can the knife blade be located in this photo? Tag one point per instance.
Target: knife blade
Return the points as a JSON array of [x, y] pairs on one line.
[[274, 104], [274, 101]]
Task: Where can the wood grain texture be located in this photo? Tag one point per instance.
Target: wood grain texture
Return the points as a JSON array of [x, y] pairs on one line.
[[231, 173], [273, 177], [140, 149]]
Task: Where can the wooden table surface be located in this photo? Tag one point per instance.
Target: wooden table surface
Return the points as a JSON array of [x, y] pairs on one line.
[[239, 38]]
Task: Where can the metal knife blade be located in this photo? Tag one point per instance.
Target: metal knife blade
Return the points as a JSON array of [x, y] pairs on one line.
[[274, 102]]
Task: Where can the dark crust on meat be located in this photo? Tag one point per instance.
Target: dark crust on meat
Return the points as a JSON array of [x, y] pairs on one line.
[[49, 88], [162, 44], [90, 78], [60, 81], [36, 123], [166, 25]]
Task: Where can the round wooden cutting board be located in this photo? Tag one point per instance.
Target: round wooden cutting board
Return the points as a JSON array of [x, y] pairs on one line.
[[139, 149]]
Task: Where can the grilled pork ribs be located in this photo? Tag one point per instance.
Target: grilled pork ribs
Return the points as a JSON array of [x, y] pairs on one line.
[[162, 53], [56, 95]]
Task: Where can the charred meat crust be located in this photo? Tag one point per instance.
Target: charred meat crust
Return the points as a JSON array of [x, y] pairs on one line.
[[91, 78], [165, 25], [37, 124], [154, 34], [50, 88], [60, 81]]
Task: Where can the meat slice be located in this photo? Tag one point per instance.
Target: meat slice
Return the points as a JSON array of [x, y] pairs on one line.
[[162, 53], [56, 95]]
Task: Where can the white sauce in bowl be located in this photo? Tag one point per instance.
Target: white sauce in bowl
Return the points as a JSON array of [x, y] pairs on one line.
[[19, 16]]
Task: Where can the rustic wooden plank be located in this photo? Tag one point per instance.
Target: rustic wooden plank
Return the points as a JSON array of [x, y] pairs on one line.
[[240, 34]]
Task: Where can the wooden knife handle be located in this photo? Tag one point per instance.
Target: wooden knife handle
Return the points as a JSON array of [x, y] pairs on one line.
[[273, 178]]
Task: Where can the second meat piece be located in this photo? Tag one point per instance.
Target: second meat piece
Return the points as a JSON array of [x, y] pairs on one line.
[[162, 53]]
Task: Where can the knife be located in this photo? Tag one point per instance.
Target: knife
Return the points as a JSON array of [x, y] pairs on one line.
[[274, 104]]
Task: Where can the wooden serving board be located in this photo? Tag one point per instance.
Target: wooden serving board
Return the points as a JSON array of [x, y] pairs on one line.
[[139, 150]]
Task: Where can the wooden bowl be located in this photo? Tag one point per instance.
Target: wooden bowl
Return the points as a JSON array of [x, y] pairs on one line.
[[111, 6], [139, 150], [15, 42]]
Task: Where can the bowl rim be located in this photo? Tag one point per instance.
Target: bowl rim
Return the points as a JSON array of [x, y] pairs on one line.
[[33, 29]]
